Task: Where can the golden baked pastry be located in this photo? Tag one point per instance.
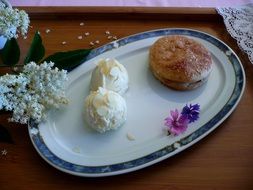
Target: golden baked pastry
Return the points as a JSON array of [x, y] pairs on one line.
[[180, 62]]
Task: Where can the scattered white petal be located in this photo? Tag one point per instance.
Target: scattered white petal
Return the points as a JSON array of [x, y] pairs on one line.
[[115, 44], [25, 37], [76, 150], [228, 52], [115, 37], [63, 43], [92, 43], [81, 23], [15, 69], [107, 32], [177, 145], [48, 30], [97, 41], [34, 131], [109, 37], [106, 169], [80, 37], [86, 33], [4, 152], [130, 137]]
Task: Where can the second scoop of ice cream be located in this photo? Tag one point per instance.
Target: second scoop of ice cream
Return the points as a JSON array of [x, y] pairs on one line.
[[105, 110], [109, 74]]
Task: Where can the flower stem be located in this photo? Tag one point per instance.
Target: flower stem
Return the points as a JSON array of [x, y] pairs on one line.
[[14, 69]]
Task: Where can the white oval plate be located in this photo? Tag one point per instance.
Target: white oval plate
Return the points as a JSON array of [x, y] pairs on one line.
[[66, 142]]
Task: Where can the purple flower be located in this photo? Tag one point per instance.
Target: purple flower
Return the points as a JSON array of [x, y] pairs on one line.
[[176, 124], [191, 112]]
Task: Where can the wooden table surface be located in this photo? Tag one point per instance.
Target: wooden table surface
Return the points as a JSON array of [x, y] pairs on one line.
[[222, 160]]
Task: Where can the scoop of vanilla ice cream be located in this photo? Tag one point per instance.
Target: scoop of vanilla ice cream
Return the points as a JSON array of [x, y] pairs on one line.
[[110, 74], [105, 110]]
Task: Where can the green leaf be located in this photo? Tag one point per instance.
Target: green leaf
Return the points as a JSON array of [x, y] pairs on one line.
[[68, 60], [5, 135], [36, 51], [10, 53]]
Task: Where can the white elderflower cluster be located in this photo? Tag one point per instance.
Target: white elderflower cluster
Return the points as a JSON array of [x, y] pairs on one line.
[[33, 92], [13, 22]]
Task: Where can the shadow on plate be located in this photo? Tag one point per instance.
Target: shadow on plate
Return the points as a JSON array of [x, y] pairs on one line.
[[170, 94]]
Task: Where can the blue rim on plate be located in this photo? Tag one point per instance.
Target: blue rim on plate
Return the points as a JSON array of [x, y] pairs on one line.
[[119, 168]]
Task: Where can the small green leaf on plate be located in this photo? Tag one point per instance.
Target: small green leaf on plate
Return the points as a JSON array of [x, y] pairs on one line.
[[10, 53], [5, 135], [68, 60], [36, 51]]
